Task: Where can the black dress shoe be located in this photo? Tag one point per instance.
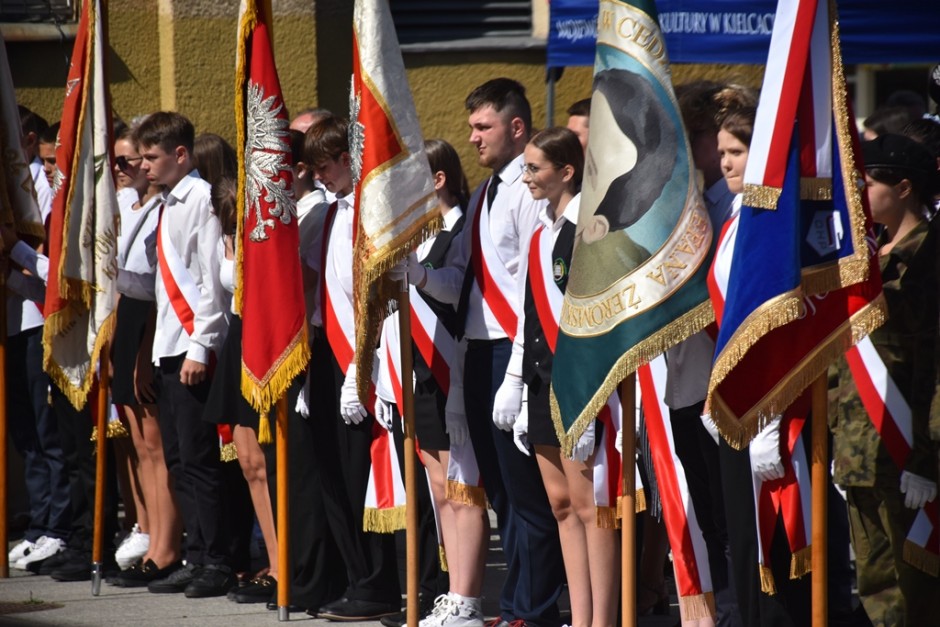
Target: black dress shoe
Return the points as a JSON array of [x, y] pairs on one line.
[[355, 610], [258, 590], [78, 568], [212, 580], [174, 582], [46, 566], [142, 573], [292, 608]]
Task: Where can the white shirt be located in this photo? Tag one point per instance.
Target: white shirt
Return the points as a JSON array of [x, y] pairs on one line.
[[341, 253], [194, 232], [41, 185], [26, 292], [552, 227], [137, 247], [512, 219], [450, 219]]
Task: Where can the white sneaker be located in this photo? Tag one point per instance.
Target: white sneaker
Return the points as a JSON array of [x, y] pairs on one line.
[[20, 551], [133, 547], [454, 611], [45, 548]]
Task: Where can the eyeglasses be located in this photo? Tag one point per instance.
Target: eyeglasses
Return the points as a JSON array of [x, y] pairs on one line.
[[125, 162], [532, 170]]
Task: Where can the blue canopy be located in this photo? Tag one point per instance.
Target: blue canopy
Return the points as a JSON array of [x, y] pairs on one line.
[[738, 31]]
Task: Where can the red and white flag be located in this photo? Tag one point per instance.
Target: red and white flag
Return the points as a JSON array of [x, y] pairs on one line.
[[17, 196], [269, 291], [80, 292], [396, 206]]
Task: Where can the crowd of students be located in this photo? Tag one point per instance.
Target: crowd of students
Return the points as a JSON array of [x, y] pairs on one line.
[[487, 287]]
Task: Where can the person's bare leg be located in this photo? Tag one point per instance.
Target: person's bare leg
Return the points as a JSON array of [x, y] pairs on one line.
[[251, 460], [571, 533], [603, 545], [165, 523], [436, 464], [127, 465]]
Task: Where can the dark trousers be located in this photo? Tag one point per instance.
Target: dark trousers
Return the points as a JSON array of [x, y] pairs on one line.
[[342, 452], [432, 580], [699, 456], [317, 572], [513, 484], [191, 450], [34, 429], [792, 604], [80, 463]]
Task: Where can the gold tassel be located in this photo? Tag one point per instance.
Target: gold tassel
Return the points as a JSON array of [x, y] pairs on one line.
[[465, 494], [921, 559], [228, 452], [640, 500], [801, 562], [384, 520], [814, 188], [607, 518], [697, 606], [761, 196], [264, 429], [94, 434], [116, 429], [262, 394], [767, 584], [442, 557]]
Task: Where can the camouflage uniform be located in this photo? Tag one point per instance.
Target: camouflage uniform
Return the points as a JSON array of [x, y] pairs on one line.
[[893, 592]]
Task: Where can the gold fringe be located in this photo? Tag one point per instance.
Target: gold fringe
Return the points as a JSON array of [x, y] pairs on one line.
[[58, 323], [607, 517], [261, 394], [264, 429], [643, 352], [801, 562], [697, 606], [384, 520], [767, 584], [465, 494], [442, 557], [373, 293], [738, 431], [761, 196], [116, 429], [73, 290], [921, 559], [640, 500], [814, 188], [228, 452], [94, 434]]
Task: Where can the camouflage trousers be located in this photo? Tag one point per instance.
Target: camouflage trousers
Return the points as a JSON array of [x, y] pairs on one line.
[[893, 593]]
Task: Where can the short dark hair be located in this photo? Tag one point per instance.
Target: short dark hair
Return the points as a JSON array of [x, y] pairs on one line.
[[325, 140], [888, 120], [31, 122], [581, 108], [214, 158], [166, 129], [51, 134], [502, 94], [562, 147], [927, 132], [296, 146]]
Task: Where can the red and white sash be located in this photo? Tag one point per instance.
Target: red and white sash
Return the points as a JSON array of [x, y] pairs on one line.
[[891, 415], [608, 487], [496, 284], [336, 306], [789, 497], [720, 269], [385, 495], [693, 577], [545, 293], [181, 289], [434, 342]]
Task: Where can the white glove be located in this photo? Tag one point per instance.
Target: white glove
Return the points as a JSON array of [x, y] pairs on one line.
[[618, 442], [416, 272], [711, 427], [520, 431], [585, 445], [349, 406], [455, 417], [383, 413], [766, 463], [398, 272], [917, 490], [508, 402], [301, 407]]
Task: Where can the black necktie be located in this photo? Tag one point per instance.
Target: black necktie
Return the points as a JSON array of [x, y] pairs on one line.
[[491, 191]]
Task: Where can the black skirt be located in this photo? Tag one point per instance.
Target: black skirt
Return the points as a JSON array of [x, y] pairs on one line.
[[225, 404], [129, 328], [541, 427], [429, 416]]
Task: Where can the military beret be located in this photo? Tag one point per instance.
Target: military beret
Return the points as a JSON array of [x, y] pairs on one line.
[[897, 152]]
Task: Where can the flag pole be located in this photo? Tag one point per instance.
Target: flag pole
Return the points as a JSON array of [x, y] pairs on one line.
[[101, 419], [4, 540], [820, 518], [408, 421], [283, 514], [628, 502]]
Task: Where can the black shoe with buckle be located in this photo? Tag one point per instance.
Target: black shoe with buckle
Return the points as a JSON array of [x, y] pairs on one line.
[[141, 574], [350, 610], [212, 580], [174, 582], [258, 590]]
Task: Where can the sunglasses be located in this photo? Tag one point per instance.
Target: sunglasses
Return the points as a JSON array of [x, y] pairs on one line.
[[124, 163]]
